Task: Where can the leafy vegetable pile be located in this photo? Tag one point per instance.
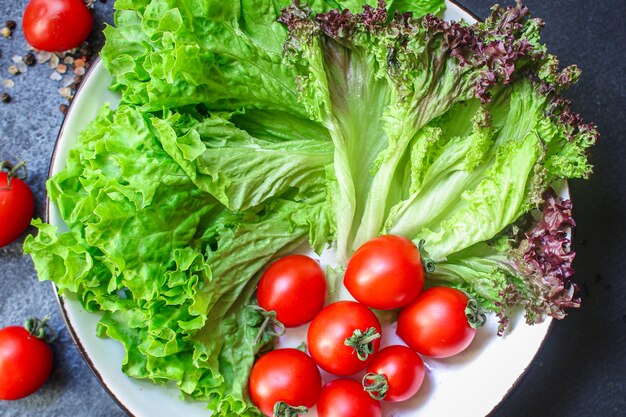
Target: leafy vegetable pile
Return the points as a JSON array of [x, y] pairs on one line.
[[246, 128]]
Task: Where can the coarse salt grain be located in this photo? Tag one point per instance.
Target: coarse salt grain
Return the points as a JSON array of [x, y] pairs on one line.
[[16, 59], [68, 60], [22, 67], [43, 57], [61, 68], [65, 92], [67, 80], [54, 61], [56, 76], [8, 83], [79, 70]]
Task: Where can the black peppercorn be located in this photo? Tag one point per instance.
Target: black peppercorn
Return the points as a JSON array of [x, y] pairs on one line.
[[29, 59]]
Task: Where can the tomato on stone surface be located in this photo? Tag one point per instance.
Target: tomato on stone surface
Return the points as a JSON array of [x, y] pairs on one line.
[[16, 206], [385, 272], [295, 288], [346, 398], [284, 381], [395, 374], [436, 324], [343, 337], [25, 362], [56, 25]]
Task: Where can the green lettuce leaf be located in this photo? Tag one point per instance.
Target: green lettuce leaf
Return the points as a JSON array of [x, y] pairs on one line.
[[225, 55], [440, 134], [241, 170], [171, 267]]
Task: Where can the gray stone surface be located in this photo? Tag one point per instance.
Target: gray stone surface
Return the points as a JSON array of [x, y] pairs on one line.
[[579, 373]]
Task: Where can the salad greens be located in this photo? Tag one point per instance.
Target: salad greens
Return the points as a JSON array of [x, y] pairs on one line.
[[248, 128]]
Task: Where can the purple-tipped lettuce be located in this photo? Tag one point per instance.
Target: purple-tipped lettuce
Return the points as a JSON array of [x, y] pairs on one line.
[[534, 273], [545, 260], [449, 133], [376, 79]]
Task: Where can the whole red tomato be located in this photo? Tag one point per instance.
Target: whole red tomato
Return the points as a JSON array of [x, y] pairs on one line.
[[346, 398], [56, 25], [16, 208], [25, 363], [435, 324], [343, 337], [385, 272], [295, 288], [395, 374], [287, 377]]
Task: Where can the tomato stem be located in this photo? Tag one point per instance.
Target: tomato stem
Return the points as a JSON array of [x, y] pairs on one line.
[[282, 409], [429, 264], [19, 170], [40, 329], [375, 385], [269, 325], [475, 314], [363, 342]]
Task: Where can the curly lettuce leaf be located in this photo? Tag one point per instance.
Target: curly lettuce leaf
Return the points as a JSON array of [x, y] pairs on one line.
[[226, 55], [440, 132], [243, 170], [374, 82], [164, 260]]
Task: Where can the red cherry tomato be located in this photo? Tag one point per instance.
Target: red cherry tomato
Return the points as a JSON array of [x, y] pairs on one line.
[[284, 375], [395, 374], [346, 398], [25, 363], [333, 326], [385, 273], [56, 25], [295, 288], [435, 323], [16, 208]]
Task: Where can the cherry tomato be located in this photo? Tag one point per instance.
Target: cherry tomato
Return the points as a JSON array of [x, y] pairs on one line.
[[56, 25], [395, 374], [25, 363], [295, 288], [340, 323], [346, 398], [435, 324], [385, 273], [284, 375], [16, 208]]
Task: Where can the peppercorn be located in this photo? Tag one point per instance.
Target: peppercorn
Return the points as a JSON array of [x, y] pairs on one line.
[[29, 59], [63, 108], [10, 24], [5, 98]]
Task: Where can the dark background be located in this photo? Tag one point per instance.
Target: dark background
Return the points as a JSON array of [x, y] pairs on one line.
[[581, 370]]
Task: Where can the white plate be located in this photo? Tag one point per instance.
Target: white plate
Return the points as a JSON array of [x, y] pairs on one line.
[[471, 384]]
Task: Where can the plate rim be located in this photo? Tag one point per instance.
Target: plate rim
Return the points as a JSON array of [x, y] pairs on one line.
[[76, 338], [46, 217]]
